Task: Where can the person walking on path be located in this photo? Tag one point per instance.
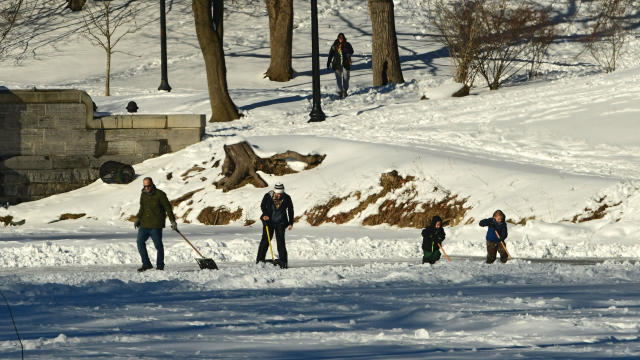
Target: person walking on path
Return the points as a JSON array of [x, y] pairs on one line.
[[277, 214], [432, 236], [154, 208], [340, 61], [496, 233]]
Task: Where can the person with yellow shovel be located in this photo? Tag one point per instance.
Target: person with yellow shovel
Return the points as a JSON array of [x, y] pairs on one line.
[[277, 216], [432, 238], [496, 235]]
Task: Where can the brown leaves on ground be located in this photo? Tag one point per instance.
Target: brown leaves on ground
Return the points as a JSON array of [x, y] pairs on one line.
[[218, 215], [597, 213], [403, 213]]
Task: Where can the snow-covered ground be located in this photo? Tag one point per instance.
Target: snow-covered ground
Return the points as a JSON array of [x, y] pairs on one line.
[[544, 150]]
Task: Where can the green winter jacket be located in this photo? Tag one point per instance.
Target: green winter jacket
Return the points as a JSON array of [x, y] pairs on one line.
[[154, 208]]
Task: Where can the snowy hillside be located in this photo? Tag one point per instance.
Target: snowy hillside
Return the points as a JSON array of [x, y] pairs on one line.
[[551, 153]]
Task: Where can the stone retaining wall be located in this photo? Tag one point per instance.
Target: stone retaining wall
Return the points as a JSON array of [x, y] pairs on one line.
[[50, 141]]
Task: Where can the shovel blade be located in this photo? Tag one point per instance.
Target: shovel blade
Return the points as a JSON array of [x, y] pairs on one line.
[[206, 263]]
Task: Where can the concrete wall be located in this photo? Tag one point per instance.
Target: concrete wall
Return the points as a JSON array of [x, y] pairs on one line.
[[50, 141]]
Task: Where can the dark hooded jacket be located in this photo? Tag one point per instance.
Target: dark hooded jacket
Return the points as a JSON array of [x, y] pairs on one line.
[[493, 226], [432, 236], [154, 208], [338, 53], [279, 213]]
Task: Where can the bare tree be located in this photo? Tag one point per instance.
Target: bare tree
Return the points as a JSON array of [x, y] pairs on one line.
[[280, 38], [608, 33], [208, 19], [504, 44], [457, 25], [9, 17], [384, 50], [106, 24], [541, 34]]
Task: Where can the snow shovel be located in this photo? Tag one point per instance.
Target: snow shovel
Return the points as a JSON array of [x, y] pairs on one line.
[[203, 262], [273, 260], [503, 246], [445, 254]]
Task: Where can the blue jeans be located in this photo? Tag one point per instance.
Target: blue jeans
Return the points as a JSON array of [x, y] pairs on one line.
[[342, 78], [156, 236]]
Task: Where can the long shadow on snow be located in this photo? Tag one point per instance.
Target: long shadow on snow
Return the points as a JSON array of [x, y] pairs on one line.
[[66, 308]]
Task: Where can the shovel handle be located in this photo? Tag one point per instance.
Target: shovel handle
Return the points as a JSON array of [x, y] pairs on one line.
[[269, 238], [505, 249], [189, 242], [444, 252]]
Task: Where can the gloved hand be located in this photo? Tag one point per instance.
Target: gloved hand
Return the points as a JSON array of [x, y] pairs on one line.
[[136, 224], [174, 226]]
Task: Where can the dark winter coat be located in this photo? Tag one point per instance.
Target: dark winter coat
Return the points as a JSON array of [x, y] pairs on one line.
[[432, 236], [493, 227], [154, 208], [277, 215], [335, 56]]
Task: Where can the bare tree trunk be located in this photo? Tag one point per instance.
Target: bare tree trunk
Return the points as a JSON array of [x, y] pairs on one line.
[[107, 86], [210, 39], [280, 38], [76, 5], [386, 61]]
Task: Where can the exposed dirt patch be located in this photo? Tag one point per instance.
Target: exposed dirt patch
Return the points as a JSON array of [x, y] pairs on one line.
[[187, 196], [522, 221], [597, 213], [170, 176], [414, 214], [219, 215], [318, 214], [69, 216], [403, 213], [249, 222], [184, 216], [192, 172]]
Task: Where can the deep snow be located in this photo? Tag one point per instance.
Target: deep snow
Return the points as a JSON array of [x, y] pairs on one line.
[[547, 149]]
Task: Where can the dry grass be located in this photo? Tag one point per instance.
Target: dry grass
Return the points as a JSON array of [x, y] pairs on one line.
[[69, 216], [249, 222], [408, 213], [194, 169], [187, 196], [218, 216], [6, 220], [184, 216], [415, 215], [594, 214], [132, 218], [522, 221], [318, 214]]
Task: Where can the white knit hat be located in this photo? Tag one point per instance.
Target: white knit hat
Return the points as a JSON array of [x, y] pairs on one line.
[[278, 188]]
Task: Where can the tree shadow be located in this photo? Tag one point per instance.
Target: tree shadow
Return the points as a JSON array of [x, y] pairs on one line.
[[279, 100]]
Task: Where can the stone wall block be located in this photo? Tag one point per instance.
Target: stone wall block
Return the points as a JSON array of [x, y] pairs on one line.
[[27, 162]]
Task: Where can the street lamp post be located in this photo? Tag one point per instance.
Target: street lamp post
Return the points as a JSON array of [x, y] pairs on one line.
[[316, 112], [164, 82]]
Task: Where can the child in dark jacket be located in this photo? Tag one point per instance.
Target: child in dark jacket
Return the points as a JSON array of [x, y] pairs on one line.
[[496, 232], [432, 235]]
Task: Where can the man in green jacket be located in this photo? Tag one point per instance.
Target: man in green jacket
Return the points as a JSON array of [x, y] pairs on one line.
[[154, 208]]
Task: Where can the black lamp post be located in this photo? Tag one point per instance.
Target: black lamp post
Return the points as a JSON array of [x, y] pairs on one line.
[[316, 112], [164, 83]]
